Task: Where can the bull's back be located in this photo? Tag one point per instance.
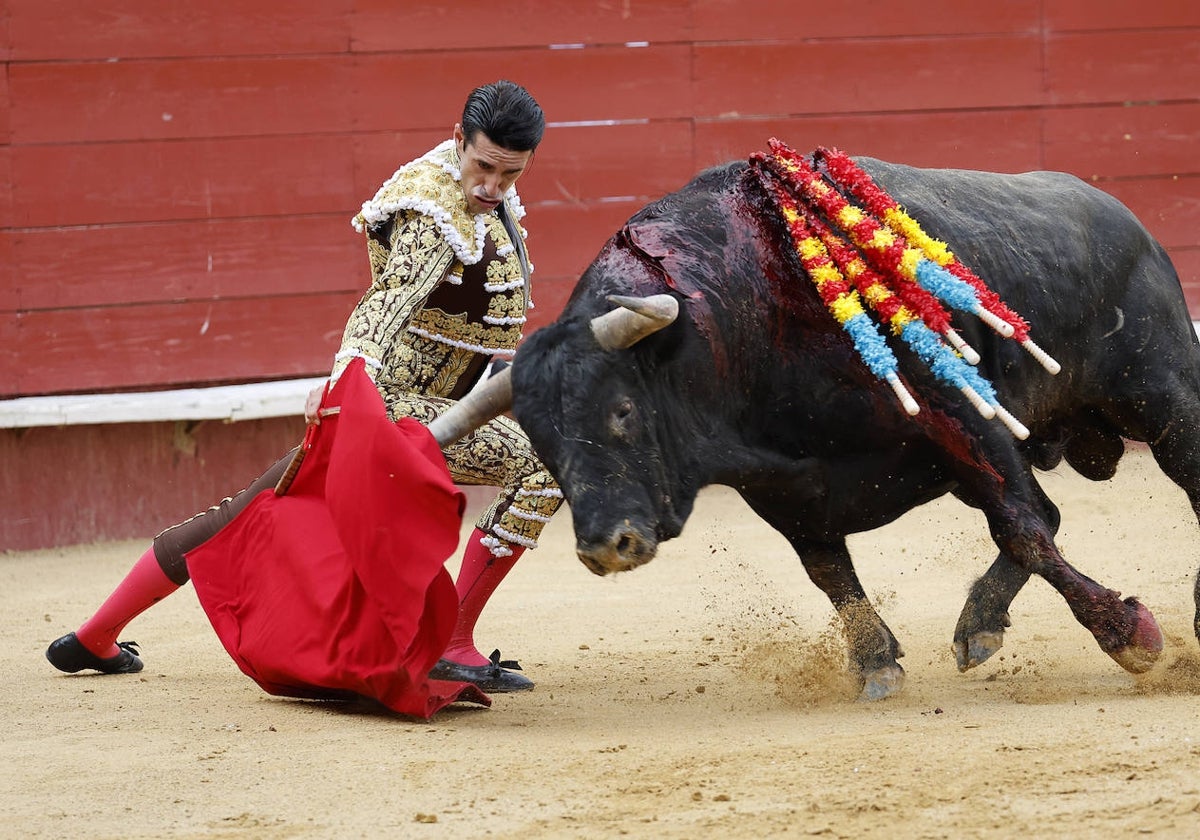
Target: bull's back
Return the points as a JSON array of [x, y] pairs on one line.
[[1053, 246], [1099, 292]]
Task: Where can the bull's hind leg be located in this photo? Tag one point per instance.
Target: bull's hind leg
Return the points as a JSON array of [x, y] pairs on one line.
[[1174, 438]]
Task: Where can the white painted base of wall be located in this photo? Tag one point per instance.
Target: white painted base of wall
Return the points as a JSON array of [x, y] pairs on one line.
[[284, 398]]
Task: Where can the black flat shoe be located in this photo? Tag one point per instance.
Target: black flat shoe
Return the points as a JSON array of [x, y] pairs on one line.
[[494, 678], [68, 654]]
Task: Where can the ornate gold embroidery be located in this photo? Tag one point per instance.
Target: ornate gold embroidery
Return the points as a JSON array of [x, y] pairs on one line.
[[419, 234], [417, 260], [377, 253], [536, 501], [496, 454], [429, 185], [436, 325]]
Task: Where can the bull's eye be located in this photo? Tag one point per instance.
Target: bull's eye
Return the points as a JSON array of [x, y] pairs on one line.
[[622, 419]]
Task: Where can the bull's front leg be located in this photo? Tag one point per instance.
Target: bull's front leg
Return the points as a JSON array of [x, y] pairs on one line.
[[813, 508], [1124, 629], [980, 629], [871, 647]]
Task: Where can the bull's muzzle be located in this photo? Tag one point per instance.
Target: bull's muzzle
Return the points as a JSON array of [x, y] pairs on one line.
[[625, 548]]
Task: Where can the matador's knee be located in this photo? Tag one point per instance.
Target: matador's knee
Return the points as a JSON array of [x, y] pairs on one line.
[[517, 518]]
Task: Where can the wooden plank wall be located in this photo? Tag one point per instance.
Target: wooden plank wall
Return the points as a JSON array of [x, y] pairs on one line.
[[177, 178]]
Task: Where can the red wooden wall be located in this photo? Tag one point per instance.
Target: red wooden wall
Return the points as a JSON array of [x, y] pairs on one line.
[[176, 179]]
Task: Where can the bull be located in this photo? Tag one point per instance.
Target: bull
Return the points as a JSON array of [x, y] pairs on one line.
[[720, 365]]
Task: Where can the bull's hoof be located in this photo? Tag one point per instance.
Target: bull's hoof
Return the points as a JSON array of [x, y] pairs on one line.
[[882, 682], [1145, 644], [978, 648]]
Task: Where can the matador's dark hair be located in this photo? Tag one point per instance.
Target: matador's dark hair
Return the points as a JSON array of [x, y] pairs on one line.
[[507, 114]]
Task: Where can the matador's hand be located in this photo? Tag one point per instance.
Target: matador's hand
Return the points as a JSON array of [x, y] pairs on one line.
[[312, 404]]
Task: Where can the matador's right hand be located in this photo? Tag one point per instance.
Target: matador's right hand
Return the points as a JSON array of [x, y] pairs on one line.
[[312, 405]]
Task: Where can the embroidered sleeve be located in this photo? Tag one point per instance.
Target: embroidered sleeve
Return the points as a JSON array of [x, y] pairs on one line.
[[416, 260]]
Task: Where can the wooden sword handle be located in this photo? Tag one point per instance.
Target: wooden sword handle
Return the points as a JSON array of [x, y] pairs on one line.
[[293, 467]]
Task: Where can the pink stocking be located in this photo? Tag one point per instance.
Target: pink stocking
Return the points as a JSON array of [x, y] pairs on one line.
[[478, 578], [144, 586]]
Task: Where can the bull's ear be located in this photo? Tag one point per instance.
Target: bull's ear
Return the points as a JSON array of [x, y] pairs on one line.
[[637, 318], [489, 399]]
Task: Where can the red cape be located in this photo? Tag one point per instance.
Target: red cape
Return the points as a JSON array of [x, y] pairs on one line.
[[338, 587]]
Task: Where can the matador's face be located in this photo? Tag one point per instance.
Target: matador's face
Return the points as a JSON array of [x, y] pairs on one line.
[[487, 170]]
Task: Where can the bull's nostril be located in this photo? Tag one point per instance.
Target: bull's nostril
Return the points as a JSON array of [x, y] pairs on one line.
[[624, 544]]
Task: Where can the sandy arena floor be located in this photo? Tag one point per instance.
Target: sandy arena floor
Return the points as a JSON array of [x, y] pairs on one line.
[[700, 696]]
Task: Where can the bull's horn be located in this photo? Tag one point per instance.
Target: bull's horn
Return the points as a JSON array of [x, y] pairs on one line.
[[637, 318], [489, 399]]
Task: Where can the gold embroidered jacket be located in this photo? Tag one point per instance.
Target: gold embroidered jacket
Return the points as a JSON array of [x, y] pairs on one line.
[[449, 289]]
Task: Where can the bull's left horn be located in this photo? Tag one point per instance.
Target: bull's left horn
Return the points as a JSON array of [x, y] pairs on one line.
[[490, 399], [637, 318]]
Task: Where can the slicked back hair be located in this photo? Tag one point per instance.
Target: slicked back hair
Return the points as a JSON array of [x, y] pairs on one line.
[[507, 114]]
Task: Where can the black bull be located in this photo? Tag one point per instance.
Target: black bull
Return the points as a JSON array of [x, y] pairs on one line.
[[755, 386]]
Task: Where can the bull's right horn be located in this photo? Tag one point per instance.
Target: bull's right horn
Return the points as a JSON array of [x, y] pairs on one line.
[[637, 318], [489, 399]]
